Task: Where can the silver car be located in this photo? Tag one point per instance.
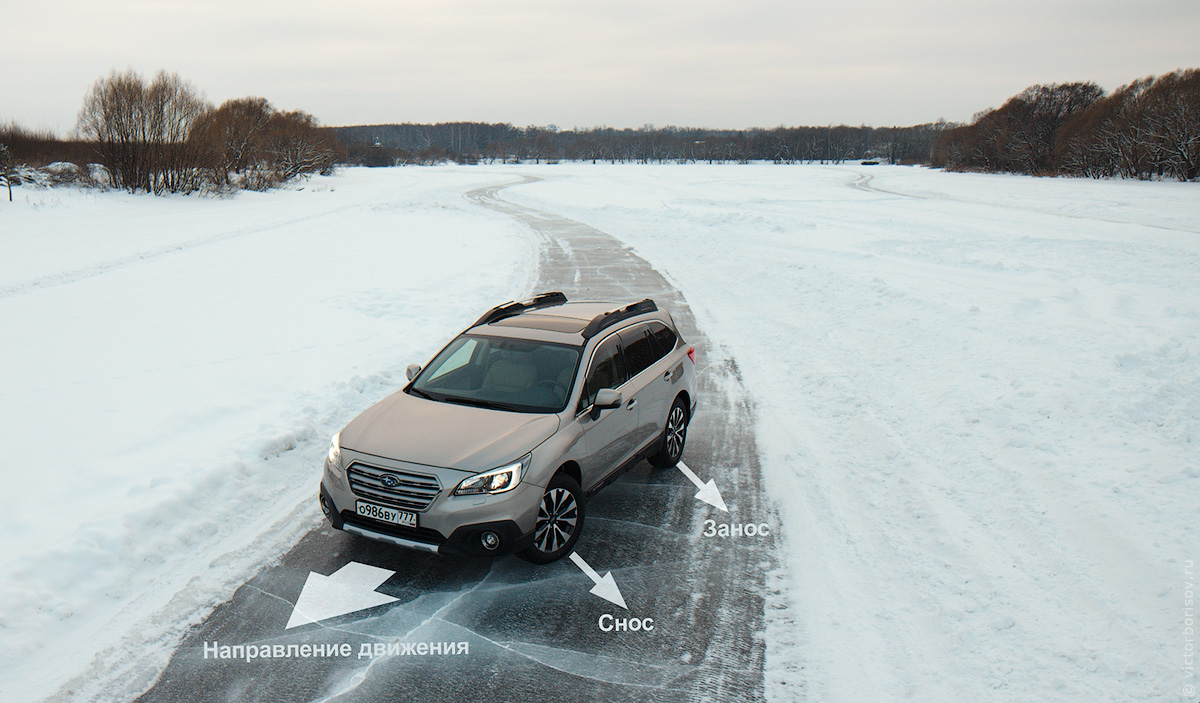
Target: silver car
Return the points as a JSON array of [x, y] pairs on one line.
[[496, 445]]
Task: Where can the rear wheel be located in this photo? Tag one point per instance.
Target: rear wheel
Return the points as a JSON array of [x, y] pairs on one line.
[[559, 521], [674, 436]]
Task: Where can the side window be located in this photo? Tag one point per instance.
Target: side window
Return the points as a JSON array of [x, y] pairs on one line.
[[607, 371], [665, 338], [639, 350]]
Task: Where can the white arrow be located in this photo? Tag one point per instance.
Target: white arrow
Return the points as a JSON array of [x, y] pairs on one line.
[[346, 590], [605, 587], [708, 491]]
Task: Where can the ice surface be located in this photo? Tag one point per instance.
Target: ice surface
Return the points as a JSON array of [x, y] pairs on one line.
[[978, 402], [979, 409]]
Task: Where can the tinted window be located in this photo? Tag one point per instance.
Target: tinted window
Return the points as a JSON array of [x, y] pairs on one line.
[[608, 370], [639, 350], [664, 337]]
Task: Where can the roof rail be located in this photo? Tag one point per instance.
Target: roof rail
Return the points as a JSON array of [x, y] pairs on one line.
[[511, 308], [612, 317]]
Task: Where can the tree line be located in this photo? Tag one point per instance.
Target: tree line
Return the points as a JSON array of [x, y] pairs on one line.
[[1149, 128], [161, 136], [472, 142]]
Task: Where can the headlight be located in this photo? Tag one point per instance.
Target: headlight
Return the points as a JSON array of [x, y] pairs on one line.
[[334, 457], [498, 480]]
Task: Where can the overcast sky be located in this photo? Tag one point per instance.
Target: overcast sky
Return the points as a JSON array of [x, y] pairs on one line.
[[623, 63]]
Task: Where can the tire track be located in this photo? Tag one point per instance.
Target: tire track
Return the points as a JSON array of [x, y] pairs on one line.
[[98, 269], [863, 183]]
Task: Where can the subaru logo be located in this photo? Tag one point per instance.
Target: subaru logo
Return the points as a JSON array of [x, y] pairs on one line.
[[389, 480]]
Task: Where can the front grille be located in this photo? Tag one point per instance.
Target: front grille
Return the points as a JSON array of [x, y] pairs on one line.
[[412, 491]]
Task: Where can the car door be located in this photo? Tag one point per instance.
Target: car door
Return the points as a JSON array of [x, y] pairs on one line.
[[642, 391], [608, 435], [667, 370]]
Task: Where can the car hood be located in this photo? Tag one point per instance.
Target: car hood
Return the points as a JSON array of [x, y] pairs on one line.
[[410, 428]]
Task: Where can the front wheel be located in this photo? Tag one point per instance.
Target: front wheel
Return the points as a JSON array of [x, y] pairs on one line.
[[674, 436], [559, 521]]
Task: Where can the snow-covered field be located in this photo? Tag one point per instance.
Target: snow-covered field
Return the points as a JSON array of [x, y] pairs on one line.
[[978, 402], [172, 369]]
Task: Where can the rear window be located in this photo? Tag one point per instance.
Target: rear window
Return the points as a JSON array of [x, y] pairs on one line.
[[639, 350], [664, 337]]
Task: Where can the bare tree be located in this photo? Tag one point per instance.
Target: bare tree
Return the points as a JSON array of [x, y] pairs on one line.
[[7, 169], [232, 138], [141, 130], [295, 145], [1146, 129], [175, 107], [1173, 120]]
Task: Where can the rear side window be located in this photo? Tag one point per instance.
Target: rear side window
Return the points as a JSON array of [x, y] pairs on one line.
[[664, 337], [607, 371], [639, 350]]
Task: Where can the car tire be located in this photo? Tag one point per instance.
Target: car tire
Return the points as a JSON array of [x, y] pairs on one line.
[[559, 521], [673, 438]]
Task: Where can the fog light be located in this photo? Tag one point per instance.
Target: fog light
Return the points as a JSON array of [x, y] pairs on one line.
[[489, 540], [325, 507]]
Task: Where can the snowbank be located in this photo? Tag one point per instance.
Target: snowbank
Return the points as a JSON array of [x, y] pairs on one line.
[[172, 370]]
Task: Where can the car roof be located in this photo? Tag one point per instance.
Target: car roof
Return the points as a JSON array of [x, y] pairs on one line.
[[563, 323]]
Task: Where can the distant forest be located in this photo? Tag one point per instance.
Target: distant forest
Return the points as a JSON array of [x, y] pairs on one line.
[[160, 135], [472, 142]]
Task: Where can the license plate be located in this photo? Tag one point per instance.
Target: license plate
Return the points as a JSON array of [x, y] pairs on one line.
[[384, 514]]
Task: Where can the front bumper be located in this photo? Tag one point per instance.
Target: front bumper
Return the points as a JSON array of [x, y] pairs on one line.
[[465, 541], [450, 525]]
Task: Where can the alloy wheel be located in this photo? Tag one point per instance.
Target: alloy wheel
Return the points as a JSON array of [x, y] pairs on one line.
[[676, 429], [557, 518]]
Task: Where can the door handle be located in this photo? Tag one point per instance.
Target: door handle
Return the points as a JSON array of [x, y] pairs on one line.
[[630, 404], [667, 374]]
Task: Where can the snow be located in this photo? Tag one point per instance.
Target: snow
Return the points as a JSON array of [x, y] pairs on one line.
[[977, 400], [171, 374], [978, 403]]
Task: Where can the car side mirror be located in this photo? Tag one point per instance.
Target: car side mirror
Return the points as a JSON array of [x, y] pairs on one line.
[[412, 371], [607, 398]]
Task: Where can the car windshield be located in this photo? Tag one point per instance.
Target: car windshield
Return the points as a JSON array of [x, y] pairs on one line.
[[504, 374]]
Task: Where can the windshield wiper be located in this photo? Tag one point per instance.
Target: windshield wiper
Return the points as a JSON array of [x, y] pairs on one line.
[[423, 394], [479, 402]]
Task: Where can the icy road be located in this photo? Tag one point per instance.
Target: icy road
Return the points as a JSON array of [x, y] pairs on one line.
[[534, 633], [966, 407]]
